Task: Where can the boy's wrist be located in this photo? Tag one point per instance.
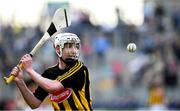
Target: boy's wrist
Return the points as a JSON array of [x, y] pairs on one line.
[[29, 70], [19, 81]]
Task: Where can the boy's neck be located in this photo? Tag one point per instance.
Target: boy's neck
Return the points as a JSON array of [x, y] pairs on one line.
[[62, 65]]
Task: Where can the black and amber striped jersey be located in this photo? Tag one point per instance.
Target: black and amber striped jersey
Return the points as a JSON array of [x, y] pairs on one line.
[[77, 79]]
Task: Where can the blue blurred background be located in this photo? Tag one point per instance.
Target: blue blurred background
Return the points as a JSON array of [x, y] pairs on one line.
[[148, 79]]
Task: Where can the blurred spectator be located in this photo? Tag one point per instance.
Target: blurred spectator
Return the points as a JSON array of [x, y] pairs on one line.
[[159, 14], [82, 24], [117, 68], [87, 49], [171, 74], [149, 45], [175, 17], [2, 105], [176, 49], [156, 99], [148, 10], [100, 47], [174, 104]]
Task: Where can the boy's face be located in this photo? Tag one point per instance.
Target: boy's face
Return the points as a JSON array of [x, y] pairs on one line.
[[70, 50]]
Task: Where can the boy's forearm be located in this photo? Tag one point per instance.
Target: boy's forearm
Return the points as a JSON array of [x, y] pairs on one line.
[[47, 84], [28, 96]]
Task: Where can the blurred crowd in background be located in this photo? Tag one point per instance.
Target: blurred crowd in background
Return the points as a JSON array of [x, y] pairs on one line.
[[146, 79]]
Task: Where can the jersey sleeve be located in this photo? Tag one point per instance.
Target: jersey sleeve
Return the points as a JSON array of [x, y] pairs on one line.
[[40, 93], [74, 80]]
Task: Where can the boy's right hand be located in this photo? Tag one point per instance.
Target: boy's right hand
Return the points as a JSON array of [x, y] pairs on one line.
[[17, 72]]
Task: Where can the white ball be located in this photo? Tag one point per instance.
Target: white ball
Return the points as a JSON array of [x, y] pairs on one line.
[[131, 47]]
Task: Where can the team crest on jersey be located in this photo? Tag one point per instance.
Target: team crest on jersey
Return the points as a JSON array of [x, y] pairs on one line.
[[61, 96]]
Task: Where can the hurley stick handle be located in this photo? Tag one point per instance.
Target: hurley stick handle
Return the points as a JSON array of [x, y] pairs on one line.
[[9, 79]]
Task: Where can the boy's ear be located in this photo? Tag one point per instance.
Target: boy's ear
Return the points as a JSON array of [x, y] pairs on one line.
[[57, 49]]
